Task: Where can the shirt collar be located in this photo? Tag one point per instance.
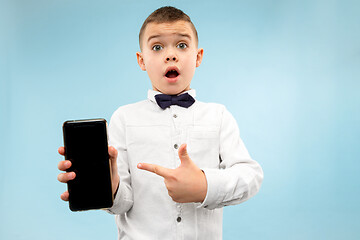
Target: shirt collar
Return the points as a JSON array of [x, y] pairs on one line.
[[153, 93]]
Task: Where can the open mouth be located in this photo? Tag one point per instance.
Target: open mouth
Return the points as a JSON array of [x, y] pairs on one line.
[[172, 74]]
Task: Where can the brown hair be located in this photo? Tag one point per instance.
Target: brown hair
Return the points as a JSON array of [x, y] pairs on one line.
[[166, 15]]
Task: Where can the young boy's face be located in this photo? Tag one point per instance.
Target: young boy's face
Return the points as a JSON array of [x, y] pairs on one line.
[[170, 56]]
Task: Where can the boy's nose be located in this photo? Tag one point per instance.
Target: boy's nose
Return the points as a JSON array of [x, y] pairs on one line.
[[171, 57]]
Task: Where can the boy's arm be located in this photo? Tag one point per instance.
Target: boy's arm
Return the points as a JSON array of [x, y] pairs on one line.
[[239, 177], [236, 180], [124, 196]]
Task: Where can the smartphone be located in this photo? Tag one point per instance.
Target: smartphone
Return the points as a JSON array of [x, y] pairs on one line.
[[86, 146]]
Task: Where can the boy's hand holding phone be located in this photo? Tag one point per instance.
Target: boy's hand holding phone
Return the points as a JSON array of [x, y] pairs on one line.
[[89, 169], [67, 176]]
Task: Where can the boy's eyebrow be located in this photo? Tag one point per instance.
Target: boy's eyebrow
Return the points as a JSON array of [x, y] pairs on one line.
[[154, 36], [179, 34]]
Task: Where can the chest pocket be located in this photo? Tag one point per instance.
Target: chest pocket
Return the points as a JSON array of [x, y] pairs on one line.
[[203, 147]]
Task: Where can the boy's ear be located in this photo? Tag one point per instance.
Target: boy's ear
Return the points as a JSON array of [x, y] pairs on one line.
[[140, 61], [199, 56]]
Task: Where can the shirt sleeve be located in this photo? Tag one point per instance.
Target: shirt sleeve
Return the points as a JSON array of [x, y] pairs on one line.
[[239, 177], [117, 138]]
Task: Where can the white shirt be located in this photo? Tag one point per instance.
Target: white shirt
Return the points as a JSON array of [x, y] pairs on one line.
[[143, 132]]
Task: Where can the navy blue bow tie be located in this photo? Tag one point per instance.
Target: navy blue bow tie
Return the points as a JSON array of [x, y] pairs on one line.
[[183, 100]]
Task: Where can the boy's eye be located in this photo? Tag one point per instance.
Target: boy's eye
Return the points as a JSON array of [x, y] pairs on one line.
[[182, 45], [157, 47]]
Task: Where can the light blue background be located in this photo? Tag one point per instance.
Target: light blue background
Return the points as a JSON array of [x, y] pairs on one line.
[[289, 72]]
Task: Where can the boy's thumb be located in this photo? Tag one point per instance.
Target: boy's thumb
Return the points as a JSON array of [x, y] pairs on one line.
[[113, 154], [183, 154]]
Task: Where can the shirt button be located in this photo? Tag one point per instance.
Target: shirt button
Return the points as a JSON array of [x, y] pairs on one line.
[[178, 219], [176, 146], [174, 116]]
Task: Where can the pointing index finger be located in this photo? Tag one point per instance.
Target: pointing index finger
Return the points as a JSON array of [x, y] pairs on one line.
[[159, 170]]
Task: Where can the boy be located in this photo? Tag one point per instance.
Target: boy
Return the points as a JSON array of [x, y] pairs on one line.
[[165, 189]]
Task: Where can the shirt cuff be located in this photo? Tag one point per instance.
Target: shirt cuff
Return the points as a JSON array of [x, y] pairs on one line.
[[214, 192], [120, 195]]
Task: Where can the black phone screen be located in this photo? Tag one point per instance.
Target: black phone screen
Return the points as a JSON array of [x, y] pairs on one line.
[[86, 146]]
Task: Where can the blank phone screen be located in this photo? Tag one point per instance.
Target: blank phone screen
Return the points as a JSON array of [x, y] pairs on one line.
[[87, 148]]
